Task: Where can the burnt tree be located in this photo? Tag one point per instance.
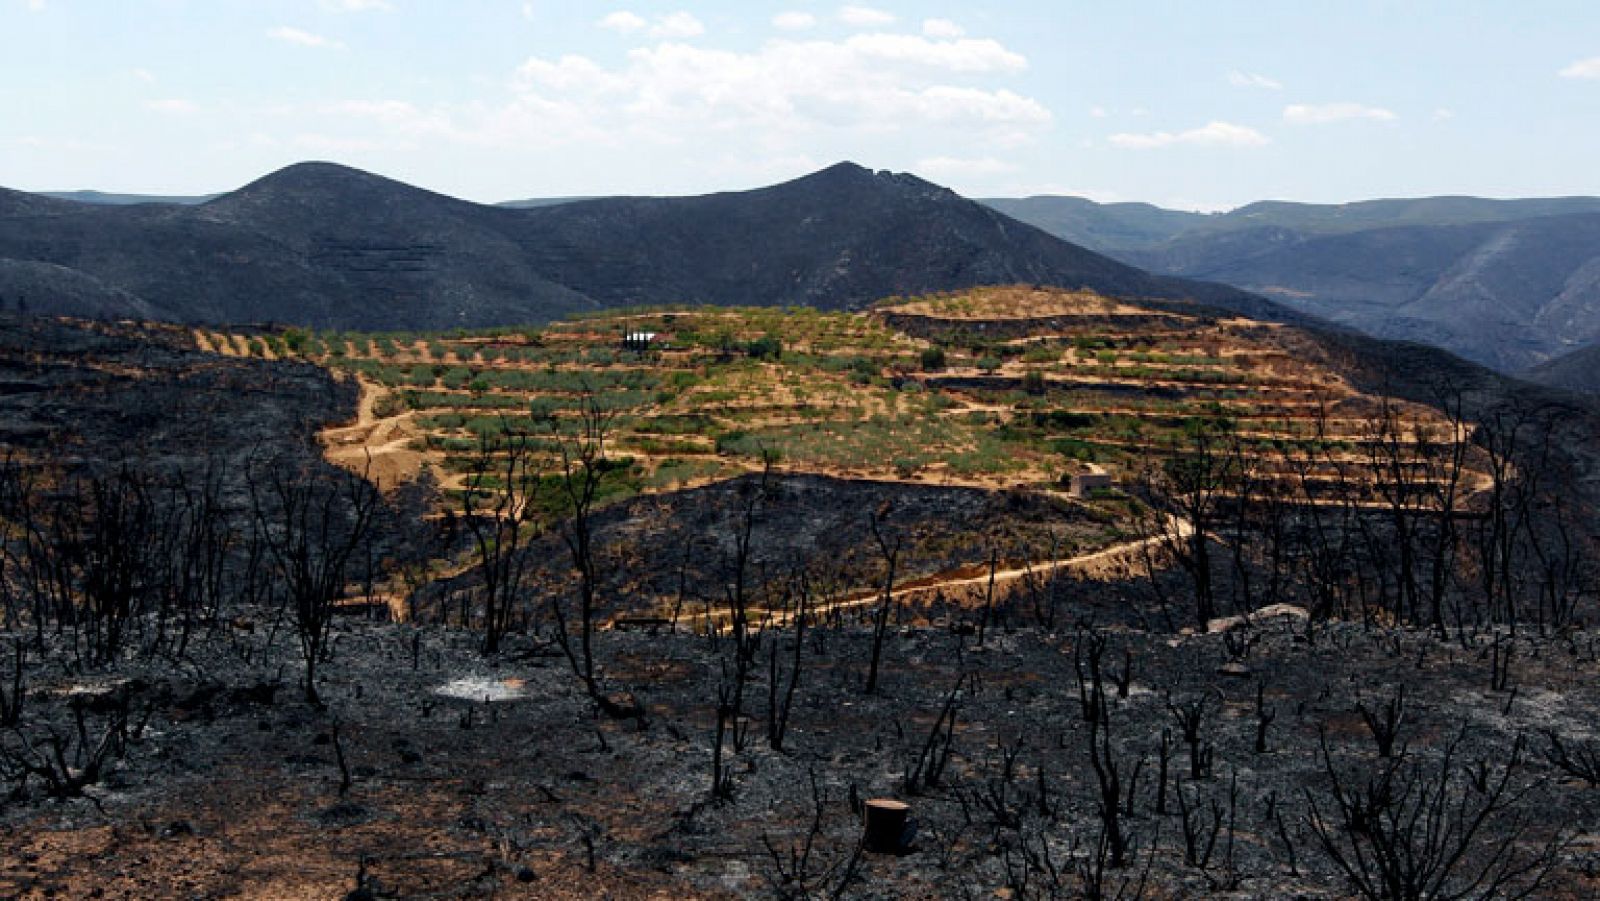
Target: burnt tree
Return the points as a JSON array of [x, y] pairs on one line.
[[313, 524]]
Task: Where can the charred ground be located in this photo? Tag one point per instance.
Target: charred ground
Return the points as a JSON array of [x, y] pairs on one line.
[[783, 645]]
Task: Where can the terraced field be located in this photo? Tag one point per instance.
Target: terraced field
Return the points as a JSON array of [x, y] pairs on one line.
[[993, 388]]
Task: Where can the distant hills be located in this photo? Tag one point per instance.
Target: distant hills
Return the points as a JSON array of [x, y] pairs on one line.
[[1510, 284], [101, 197], [1576, 371], [1507, 283], [333, 247], [1112, 228]]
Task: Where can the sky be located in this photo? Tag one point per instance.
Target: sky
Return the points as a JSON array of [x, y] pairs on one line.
[[1186, 104]]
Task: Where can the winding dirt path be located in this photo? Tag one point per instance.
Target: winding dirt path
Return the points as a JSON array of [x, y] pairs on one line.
[[379, 446], [971, 581]]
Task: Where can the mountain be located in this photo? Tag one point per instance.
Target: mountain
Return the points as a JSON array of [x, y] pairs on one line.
[[1507, 283], [1117, 229], [1577, 371], [1505, 294], [833, 239], [104, 199], [1105, 227], [314, 244], [333, 247]]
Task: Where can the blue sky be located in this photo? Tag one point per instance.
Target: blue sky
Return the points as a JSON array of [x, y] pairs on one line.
[[1200, 105]]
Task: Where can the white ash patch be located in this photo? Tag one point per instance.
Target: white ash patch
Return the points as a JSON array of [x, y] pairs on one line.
[[479, 688]]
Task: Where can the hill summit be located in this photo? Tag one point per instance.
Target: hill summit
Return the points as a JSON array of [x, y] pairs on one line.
[[329, 246]]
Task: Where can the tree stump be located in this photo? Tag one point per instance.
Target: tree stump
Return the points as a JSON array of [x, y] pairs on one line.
[[885, 824]]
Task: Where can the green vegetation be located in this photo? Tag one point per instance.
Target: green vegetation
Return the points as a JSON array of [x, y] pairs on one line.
[[984, 402]]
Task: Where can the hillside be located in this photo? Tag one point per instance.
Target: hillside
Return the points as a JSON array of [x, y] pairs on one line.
[[1576, 371], [326, 246], [1508, 295], [1507, 283], [314, 244], [951, 630], [995, 388]]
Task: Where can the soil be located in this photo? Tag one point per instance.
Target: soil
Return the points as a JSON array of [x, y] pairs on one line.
[[233, 787], [379, 447]]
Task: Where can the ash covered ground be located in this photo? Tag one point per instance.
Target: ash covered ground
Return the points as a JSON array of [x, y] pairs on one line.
[[1060, 737], [474, 777]]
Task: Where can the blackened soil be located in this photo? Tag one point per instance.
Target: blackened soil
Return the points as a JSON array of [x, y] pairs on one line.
[[660, 546], [80, 393], [232, 789]]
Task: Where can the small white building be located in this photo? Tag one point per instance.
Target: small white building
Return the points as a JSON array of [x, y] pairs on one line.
[[638, 341]]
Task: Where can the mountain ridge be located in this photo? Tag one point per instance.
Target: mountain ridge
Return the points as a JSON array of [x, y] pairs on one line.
[[326, 245], [1117, 227], [1577, 371]]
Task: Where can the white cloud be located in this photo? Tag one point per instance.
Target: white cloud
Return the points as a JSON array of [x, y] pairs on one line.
[[945, 103], [1098, 112], [144, 75], [1253, 80], [35, 5], [963, 55], [794, 20], [1313, 114], [571, 74], [672, 25], [786, 98], [942, 28], [1442, 114], [1212, 134], [622, 21], [527, 11], [1583, 68], [173, 106], [677, 25], [945, 167], [864, 16], [303, 38], [357, 6], [754, 114]]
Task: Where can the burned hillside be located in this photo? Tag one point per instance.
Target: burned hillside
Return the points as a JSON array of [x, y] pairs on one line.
[[1300, 639]]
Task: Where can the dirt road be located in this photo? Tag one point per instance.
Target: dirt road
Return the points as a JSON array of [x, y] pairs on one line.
[[378, 446], [971, 581]]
